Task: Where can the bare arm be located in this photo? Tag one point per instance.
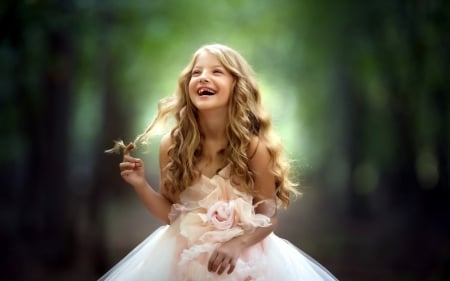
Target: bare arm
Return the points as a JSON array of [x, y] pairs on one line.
[[132, 171], [227, 255]]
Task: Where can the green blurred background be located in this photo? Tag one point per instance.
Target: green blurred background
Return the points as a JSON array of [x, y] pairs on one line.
[[358, 91]]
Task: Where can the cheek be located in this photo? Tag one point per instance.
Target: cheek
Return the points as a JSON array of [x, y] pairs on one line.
[[190, 88]]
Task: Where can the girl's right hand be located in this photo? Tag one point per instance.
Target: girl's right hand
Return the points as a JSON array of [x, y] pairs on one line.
[[132, 169]]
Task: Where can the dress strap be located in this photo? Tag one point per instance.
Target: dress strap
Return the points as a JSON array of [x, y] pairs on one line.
[[254, 152]]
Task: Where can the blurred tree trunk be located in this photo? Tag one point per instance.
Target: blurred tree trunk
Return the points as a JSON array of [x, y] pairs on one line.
[[25, 230], [114, 117], [46, 226]]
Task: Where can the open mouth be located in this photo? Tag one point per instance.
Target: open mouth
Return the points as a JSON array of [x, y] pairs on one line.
[[206, 92]]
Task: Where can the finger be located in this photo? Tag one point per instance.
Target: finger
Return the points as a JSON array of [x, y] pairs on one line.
[[232, 266], [223, 265], [222, 268], [138, 163], [135, 162], [214, 261], [128, 148], [126, 166], [131, 163], [129, 158], [217, 262], [211, 261]]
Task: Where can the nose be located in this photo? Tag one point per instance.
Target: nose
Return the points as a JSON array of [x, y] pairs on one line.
[[204, 77]]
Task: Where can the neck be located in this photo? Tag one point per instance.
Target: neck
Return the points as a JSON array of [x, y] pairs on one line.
[[213, 126]]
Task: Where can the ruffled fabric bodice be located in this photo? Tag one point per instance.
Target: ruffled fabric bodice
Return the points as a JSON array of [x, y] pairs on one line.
[[211, 212]]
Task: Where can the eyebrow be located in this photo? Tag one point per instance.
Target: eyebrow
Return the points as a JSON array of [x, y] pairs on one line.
[[213, 66]]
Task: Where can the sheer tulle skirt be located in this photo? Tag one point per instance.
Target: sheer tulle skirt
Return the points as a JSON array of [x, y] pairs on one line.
[[152, 259], [158, 258]]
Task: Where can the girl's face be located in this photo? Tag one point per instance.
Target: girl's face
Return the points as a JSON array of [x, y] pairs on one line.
[[211, 84]]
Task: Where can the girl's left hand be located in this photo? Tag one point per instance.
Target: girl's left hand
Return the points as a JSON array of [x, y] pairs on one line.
[[225, 256]]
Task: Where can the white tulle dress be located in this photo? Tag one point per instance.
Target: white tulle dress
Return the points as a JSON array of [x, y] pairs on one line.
[[210, 212]]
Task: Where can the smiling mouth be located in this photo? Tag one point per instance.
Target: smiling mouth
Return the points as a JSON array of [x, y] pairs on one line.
[[206, 92]]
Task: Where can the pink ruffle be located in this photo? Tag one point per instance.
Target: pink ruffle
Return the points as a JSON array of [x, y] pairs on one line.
[[211, 212]]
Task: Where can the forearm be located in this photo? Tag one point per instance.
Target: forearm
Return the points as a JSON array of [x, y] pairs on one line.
[[251, 238], [157, 204]]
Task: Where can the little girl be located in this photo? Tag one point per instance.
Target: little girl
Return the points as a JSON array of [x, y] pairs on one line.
[[222, 179]]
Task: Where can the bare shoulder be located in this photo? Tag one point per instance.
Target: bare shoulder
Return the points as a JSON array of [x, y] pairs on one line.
[[260, 165], [258, 154], [166, 142]]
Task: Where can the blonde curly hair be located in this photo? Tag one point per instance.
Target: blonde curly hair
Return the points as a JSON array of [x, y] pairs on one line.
[[247, 118]]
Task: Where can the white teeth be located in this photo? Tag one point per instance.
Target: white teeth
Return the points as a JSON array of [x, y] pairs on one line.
[[205, 92]]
